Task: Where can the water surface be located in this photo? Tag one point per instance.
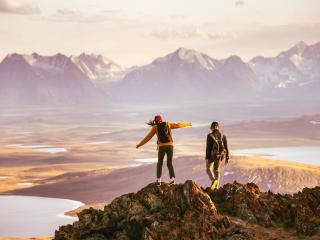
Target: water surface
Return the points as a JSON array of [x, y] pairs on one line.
[[308, 155], [25, 217]]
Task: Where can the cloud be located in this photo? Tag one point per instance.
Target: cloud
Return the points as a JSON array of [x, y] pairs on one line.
[[18, 7], [239, 3], [71, 15], [190, 33]]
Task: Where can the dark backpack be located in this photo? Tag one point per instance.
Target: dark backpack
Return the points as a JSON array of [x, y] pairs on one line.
[[164, 132], [218, 148]]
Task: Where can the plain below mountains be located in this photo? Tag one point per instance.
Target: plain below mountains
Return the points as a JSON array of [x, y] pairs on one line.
[[94, 187], [183, 76]]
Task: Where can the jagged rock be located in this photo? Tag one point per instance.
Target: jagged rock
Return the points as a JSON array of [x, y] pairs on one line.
[[182, 211], [300, 211], [185, 211]]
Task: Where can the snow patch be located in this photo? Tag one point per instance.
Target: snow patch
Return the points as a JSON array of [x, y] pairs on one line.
[[226, 173], [315, 122], [296, 59]]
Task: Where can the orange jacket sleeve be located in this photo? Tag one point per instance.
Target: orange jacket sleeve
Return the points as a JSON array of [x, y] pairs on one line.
[[148, 137], [180, 125]]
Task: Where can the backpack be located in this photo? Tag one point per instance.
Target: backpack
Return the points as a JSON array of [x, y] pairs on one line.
[[164, 132], [218, 148]]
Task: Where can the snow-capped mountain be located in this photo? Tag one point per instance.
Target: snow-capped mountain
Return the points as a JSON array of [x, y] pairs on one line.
[[188, 76], [184, 75], [298, 66], [35, 79], [98, 68]]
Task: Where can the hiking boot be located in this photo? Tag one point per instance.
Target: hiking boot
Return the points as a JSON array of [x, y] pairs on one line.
[[172, 182], [214, 185]]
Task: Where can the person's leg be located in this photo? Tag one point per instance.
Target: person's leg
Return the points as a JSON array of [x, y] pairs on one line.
[[169, 152], [216, 170], [161, 153], [209, 170]]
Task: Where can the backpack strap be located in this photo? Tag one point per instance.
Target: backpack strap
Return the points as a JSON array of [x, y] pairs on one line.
[[215, 140]]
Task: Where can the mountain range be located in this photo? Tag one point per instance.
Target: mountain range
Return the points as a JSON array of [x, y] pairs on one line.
[[184, 75], [35, 79]]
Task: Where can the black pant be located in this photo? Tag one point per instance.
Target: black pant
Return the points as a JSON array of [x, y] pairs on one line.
[[163, 150]]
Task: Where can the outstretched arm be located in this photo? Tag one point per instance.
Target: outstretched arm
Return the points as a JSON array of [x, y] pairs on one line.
[[147, 138], [180, 125]]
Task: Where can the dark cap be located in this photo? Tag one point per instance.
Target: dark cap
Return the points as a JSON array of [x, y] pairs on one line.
[[214, 124]]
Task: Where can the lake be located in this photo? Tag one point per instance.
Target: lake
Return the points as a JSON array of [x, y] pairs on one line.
[[308, 155], [39, 148], [23, 216]]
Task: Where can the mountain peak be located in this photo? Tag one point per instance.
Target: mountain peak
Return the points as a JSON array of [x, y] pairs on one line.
[[233, 61], [297, 49], [301, 44], [98, 67], [189, 56], [97, 58], [15, 58], [60, 56]]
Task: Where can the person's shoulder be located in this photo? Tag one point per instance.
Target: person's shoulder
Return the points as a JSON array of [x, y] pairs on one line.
[[169, 123]]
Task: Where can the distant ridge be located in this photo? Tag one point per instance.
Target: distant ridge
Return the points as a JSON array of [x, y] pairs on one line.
[[37, 80], [183, 76]]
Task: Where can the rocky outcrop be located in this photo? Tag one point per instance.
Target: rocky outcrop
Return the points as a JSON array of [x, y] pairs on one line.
[[182, 211], [300, 211], [186, 211]]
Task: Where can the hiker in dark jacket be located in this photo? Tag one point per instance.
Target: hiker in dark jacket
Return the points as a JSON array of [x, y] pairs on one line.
[[164, 142], [216, 151]]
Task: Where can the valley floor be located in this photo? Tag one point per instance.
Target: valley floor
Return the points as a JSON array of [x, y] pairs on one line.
[[99, 163]]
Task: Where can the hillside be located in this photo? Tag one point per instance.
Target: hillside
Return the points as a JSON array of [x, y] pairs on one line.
[[185, 211], [94, 187]]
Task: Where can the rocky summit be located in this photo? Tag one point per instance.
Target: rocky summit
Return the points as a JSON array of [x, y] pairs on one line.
[[182, 211], [300, 211], [186, 211]]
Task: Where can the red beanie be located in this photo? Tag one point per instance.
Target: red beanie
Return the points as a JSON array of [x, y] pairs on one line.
[[158, 119]]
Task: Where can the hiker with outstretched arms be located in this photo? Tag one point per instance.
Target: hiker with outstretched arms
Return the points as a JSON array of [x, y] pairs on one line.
[[216, 152], [164, 142]]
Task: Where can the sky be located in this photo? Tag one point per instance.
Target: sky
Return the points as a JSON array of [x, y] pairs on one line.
[[135, 32]]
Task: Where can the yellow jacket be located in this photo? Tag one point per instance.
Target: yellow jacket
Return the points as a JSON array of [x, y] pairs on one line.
[[154, 131]]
